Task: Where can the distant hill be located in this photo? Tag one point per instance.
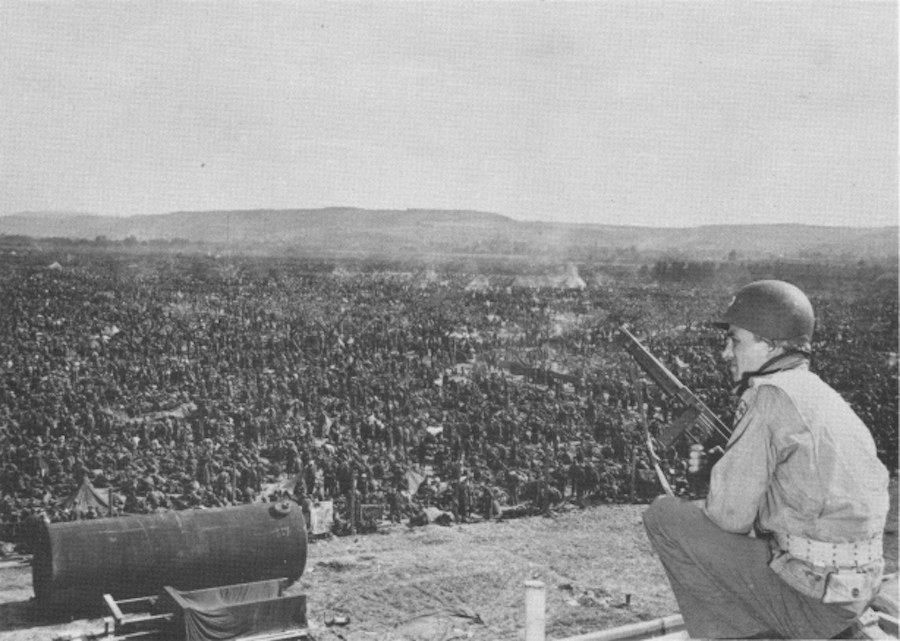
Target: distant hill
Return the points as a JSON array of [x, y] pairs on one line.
[[462, 232]]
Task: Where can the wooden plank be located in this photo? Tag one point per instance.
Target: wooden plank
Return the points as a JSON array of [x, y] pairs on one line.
[[143, 634], [139, 604], [113, 608], [142, 622], [869, 626], [889, 624], [285, 635]]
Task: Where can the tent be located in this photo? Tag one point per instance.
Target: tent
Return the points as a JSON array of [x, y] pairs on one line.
[[479, 284], [321, 518], [86, 497], [413, 481]]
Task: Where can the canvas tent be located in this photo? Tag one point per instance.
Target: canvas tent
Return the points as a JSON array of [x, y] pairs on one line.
[[86, 497], [321, 518], [479, 284], [413, 481]]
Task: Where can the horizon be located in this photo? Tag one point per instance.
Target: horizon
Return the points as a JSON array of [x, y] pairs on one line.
[[74, 214], [602, 113]]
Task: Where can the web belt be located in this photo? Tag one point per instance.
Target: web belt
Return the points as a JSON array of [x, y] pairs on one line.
[[825, 554]]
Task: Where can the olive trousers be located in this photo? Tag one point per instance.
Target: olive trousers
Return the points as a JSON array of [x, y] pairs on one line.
[[723, 583]]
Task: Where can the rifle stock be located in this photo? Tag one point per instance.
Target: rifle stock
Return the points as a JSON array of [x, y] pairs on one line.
[[697, 423]]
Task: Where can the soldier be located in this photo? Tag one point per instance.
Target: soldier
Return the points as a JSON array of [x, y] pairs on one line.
[[590, 478], [486, 501], [393, 501], [575, 478], [309, 473], [788, 541], [463, 500], [513, 480]]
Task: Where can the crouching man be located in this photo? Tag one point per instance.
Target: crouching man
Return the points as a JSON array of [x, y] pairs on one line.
[[788, 542]]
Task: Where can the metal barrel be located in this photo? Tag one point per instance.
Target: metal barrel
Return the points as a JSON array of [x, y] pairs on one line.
[[76, 562]]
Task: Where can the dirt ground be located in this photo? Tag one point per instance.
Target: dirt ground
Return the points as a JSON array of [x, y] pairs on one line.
[[454, 582]]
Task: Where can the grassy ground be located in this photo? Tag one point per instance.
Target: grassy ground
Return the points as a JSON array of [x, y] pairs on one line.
[[426, 582], [460, 581]]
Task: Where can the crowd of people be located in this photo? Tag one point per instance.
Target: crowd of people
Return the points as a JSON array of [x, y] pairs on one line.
[[168, 386]]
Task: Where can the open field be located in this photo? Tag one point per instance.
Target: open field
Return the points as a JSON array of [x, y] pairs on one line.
[[304, 365], [461, 581], [384, 582]]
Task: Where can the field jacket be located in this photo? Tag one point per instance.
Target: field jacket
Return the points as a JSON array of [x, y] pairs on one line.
[[800, 462]]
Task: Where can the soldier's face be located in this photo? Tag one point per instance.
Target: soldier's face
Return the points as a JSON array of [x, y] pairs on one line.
[[744, 352]]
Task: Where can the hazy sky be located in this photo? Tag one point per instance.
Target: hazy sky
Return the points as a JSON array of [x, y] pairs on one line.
[[647, 112]]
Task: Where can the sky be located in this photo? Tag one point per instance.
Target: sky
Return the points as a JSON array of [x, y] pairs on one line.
[[628, 113]]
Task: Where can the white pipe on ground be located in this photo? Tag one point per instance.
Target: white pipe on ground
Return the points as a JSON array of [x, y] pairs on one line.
[[641, 630], [535, 610]]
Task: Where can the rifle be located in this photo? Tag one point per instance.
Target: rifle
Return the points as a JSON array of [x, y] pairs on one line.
[[697, 423]]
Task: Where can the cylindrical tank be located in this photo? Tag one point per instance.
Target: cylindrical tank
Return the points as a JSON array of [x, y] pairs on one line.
[[76, 562]]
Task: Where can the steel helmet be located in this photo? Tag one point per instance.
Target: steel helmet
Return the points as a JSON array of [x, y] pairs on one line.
[[772, 309]]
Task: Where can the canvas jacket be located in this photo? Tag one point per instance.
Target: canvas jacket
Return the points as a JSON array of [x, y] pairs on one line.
[[801, 462]]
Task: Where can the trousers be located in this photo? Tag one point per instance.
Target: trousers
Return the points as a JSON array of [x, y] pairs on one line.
[[723, 583]]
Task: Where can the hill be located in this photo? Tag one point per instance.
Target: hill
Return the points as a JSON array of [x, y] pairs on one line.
[[462, 232]]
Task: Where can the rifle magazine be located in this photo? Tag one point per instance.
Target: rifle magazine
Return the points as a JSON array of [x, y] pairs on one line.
[[692, 424]]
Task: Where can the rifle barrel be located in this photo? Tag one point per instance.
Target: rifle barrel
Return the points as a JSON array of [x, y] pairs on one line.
[[670, 384], [651, 365]]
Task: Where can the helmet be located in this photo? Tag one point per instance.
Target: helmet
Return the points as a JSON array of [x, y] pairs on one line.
[[772, 309]]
